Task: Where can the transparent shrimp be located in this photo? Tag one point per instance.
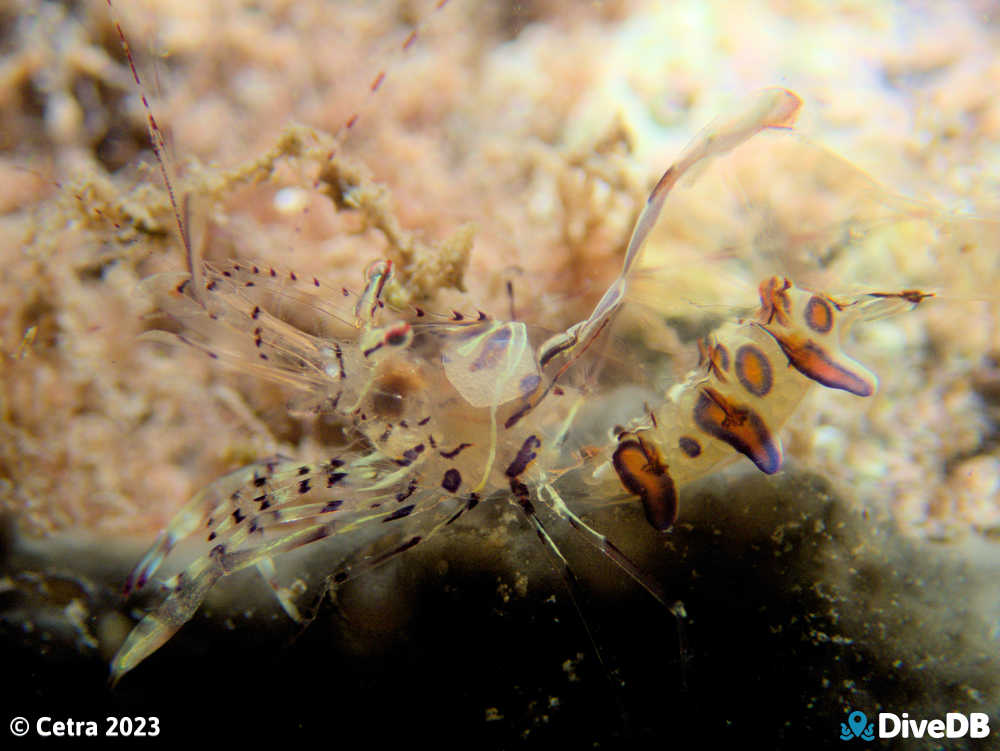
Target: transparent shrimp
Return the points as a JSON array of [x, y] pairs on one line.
[[449, 411]]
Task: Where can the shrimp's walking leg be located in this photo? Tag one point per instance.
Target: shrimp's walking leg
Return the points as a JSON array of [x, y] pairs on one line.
[[558, 506], [559, 562]]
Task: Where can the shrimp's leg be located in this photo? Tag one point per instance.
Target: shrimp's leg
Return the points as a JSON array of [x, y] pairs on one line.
[[284, 594], [605, 546], [520, 500], [770, 108], [203, 508], [419, 529], [554, 501]]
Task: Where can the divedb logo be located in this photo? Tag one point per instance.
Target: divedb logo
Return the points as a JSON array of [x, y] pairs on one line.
[[890, 725]]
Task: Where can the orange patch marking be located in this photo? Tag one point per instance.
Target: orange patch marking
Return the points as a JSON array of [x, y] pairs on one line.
[[813, 361], [643, 473], [818, 315], [739, 426], [754, 370], [715, 357], [774, 303]]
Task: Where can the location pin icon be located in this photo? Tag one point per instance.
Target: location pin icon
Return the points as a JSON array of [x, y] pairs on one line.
[[857, 721]]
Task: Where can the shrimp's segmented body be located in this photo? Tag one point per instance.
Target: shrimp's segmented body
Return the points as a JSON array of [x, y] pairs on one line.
[[447, 413], [752, 375]]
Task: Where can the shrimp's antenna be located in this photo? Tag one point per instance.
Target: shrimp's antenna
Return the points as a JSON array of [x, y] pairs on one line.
[[159, 146]]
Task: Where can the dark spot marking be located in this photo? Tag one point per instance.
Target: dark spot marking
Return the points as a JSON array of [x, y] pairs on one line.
[[521, 494], [333, 506], [256, 312], [514, 418], [400, 513], [411, 488], [340, 360], [689, 446], [524, 456], [455, 451], [211, 537], [238, 516], [334, 477], [304, 486], [259, 481], [410, 455], [319, 534], [452, 480]]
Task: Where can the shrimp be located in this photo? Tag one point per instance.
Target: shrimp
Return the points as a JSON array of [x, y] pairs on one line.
[[449, 412]]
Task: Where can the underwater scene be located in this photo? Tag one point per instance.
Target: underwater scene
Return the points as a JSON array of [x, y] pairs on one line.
[[505, 373]]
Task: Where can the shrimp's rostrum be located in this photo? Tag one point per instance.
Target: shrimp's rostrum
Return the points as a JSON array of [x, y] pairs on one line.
[[443, 413]]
